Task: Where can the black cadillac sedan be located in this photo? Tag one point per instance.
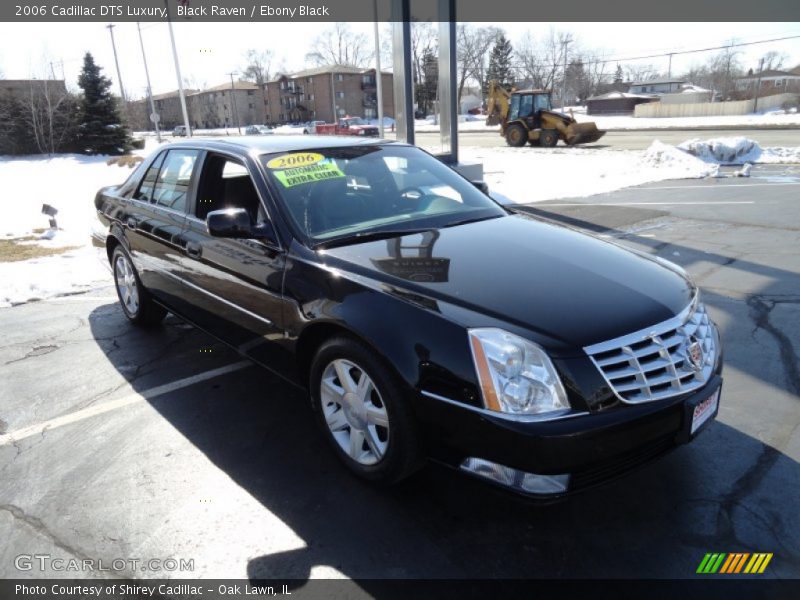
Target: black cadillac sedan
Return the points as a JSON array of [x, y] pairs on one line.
[[424, 319]]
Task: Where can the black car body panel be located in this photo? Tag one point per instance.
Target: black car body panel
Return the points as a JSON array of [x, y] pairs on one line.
[[275, 300]]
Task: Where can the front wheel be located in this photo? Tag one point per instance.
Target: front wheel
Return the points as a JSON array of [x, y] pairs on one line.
[[516, 135], [363, 412], [136, 302]]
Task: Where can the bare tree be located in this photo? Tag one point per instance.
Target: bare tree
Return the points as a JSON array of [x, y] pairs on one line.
[[50, 113], [542, 62], [774, 60], [638, 72], [339, 45], [258, 66]]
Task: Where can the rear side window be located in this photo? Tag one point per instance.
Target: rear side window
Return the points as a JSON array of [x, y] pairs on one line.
[[145, 191], [172, 183]]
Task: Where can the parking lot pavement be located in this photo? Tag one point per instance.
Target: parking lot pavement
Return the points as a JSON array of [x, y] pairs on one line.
[[148, 444]]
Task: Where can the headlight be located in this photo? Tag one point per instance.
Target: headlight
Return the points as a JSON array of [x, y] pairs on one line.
[[516, 375]]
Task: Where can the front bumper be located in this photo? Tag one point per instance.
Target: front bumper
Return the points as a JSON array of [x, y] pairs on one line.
[[591, 448]]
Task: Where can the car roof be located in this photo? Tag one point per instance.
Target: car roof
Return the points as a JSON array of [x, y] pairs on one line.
[[277, 143]]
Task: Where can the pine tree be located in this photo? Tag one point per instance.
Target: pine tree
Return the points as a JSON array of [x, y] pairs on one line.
[[500, 63], [101, 128], [618, 76]]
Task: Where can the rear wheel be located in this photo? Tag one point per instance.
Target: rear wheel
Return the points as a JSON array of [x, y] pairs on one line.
[[363, 412], [137, 304], [516, 135], [548, 138]]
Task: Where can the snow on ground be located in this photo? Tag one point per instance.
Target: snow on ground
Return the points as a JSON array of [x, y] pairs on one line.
[[576, 172], [70, 182], [622, 122]]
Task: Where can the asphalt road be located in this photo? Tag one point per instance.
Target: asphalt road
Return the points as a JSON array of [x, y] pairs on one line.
[[632, 140], [129, 443]]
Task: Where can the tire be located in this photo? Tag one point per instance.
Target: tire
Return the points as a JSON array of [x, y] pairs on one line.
[[548, 138], [372, 431], [136, 302], [516, 135]]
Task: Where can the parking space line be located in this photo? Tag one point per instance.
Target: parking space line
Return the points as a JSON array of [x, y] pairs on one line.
[[678, 202], [716, 186], [99, 409]]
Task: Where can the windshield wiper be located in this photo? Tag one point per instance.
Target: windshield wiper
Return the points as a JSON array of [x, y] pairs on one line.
[[473, 220], [368, 236]]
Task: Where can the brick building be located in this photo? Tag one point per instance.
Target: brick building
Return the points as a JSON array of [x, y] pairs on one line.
[[320, 94], [20, 89], [325, 94]]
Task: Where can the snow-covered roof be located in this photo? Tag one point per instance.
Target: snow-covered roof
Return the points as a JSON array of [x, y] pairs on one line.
[[615, 95], [658, 81], [769, 73]]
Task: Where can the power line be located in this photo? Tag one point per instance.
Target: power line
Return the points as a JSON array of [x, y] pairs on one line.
[[662, 55]]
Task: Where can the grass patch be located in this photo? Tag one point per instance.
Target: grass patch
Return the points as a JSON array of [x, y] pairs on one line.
[[13, 250]]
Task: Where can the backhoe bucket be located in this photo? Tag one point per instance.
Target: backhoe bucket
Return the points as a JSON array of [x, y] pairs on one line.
[[583, 133]]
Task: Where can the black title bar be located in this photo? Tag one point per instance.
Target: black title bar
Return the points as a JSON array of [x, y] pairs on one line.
[[238, 11]]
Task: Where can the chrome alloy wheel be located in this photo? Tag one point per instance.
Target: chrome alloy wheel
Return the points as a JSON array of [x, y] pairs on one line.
[[354, 412], [126, 285]]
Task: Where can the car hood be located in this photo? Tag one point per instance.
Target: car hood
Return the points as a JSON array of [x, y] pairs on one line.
[[561, 285]]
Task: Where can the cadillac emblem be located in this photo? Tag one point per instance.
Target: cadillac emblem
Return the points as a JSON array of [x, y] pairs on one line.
[[694, 352]]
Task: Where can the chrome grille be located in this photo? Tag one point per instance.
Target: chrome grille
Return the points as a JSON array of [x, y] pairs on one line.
[[669, 359]]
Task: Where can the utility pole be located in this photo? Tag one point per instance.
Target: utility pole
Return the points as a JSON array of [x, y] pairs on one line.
[[233, 104], [566, 42], [110, 28], [154, 117], [669, 70], [758, 84], [378, 74], [178, 74]]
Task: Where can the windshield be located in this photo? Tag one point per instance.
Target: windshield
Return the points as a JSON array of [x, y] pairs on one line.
[[338, 193], [351, 122]]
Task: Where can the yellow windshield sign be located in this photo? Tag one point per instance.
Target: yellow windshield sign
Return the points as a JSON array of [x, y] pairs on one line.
[[294, 160], [310, 174]]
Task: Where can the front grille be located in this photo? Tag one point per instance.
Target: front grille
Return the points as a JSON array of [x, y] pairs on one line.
[[669, 359]]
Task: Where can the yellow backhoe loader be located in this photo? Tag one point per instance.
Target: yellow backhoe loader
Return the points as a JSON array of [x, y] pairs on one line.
[[527, 116]]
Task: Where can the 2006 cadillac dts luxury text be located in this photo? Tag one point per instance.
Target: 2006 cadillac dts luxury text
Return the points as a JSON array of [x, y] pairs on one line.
[[424, 319]]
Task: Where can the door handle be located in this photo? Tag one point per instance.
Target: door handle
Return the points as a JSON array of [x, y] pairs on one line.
[[194, 249]]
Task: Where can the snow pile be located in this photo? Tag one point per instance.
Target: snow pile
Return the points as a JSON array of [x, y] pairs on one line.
[[675, 163], [737, 151], [578, 172]]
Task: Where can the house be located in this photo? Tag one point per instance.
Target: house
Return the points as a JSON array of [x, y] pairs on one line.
[[616, 103], [656, 86], [20, 89], [325, 94], [772, 82]]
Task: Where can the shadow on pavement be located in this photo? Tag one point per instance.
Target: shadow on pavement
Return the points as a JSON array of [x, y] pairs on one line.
[[725, 492]]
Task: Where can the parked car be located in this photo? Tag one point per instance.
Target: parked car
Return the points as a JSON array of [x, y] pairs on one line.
[[179, 131], [311, 127], [422, 318], [348, 126], [258, 130]]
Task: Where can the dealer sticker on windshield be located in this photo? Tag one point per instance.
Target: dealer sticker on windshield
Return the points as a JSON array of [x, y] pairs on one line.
[[305, 167]]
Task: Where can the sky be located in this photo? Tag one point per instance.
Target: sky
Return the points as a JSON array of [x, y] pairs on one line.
[[208, 52]]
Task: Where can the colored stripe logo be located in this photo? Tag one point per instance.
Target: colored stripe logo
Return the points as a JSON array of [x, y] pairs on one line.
[[734, 562]]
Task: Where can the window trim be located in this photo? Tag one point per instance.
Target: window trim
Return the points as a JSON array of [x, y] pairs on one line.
[[160, 156], [190, 189]]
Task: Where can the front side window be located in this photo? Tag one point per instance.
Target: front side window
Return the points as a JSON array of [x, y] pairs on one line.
[[172, 184], [226, 183], [341, 193]]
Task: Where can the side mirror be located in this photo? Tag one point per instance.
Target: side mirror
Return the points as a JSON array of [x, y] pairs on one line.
[[482, 186], [229, 223], [236, 223]]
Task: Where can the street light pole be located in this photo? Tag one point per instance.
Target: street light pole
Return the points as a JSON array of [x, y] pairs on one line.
[[178, 74], [153, 113], [233, 104], [110, 28], [378, 74], [564, 86]]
